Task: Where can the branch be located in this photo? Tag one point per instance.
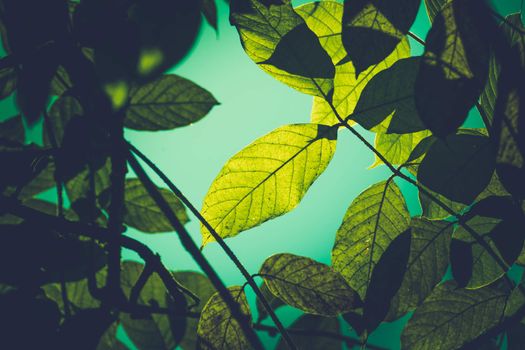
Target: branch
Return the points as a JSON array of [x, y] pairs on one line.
[[220, 241], [196, 254]]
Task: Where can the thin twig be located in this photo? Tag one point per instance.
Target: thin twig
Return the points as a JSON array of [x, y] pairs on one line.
[[220, 241]]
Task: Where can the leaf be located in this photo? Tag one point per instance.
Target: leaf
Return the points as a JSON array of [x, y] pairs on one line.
[[274, 302], [84, 329], [12, 130], [268, 178], [308, 285], [313, 324], [516, 336], [377, 24], [451, 317], [386, 94], [454, 67], [78, 188], [109, 340], [202, 287], [373, 220], [61, 113], [8, 82], [434, 7], [458, 167], [217, 328], [209, 10], [348, 87], [279, 41], [427, 264], [151, 332], [142, 213], [166, 103], [433, 211]]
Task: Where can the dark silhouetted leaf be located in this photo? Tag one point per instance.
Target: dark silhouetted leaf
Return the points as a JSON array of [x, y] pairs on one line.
[[433, 211], [61, 82], [142, 213], [454, 67], [373, 220], [458, 167], [274, 302], [166, 103], [21, 164], [61, 113], [427, 264], [209, 10], [12, 130], [373, 28], [516, 336], [451, 317], [434, 7], [311, 324], [8, 82], [268, 178], [84, 330], [78, 187], [387, 93], [277, 39], [421, 149], [217, 328], [308, 285]]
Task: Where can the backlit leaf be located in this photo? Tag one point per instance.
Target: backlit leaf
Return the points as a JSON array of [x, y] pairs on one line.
[[267, 178], [308, 285], [166, 103], [373, 220], [217, 328], [433, 211], [434, 7], [313, 324]]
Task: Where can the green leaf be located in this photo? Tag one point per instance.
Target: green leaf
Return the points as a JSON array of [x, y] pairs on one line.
[[311, 324], [268, 178], [8, 82], [12, 130], [458, 167], [142, 213], [433, 211], [373, 220], [217, 328], [308, 285], [166, 103], [61, 82], [454, 66], [279, 41], [377, 24], [78, 187], [150, 332], [274, 302], [434, 7], [203, 288], [387, 94], [451, 317], [348, 86], [109, 340], [61, 113], [427, 264]]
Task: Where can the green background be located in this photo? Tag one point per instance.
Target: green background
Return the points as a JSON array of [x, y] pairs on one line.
[[253, 104]]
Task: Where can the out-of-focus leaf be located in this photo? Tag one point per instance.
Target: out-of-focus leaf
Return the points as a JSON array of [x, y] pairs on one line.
[[451, 317], [308, 285], [166, 103], [209, 10], [217, 328], [276, 38], [373, 220], [458, 167], [427, 264], [274, 302], [8, 82], [142, 213], [12, 130], [267, 178], [373, 28], [454, 66], [516, 336], [21, 164], [313, 324]]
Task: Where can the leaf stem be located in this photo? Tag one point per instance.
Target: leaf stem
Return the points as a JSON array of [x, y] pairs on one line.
[[249, 278]]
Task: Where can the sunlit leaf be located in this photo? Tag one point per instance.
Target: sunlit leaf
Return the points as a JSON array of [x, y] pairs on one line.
[[451, 317], [267, 178], [427, 264], [8, 80], [276, 38], [373, 220], [217, 328], [458, 167], [274, 302], [373, 28], [142, 213], [311, 324], [166, 103], [308, 285], [348, 87]]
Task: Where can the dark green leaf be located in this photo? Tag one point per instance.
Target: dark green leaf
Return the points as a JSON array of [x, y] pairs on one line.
[[217, 328], [421, 149], [109, 340], [433, 211], [308, 285], [166, 103], [274, 302], [84, 330], [451, 317], [142, 213], [377, 24], [516, 337], [458, 167], [311, 324], [434, 7], [8, 82], [12, 130], [23, 164], [209, 10], [373, 220], [61, 113], [78, 187]]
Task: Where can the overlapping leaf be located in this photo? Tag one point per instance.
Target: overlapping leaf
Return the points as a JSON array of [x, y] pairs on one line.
[[308, 285], [8, 80], [267, 178], [434, 7], [312, 324], [373, 220], [274, 302]]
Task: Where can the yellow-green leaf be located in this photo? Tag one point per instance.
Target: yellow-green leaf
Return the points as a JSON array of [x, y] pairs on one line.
[[267, 178]]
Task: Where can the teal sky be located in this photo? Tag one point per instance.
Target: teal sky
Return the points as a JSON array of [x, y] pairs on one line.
[[253, 104]]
